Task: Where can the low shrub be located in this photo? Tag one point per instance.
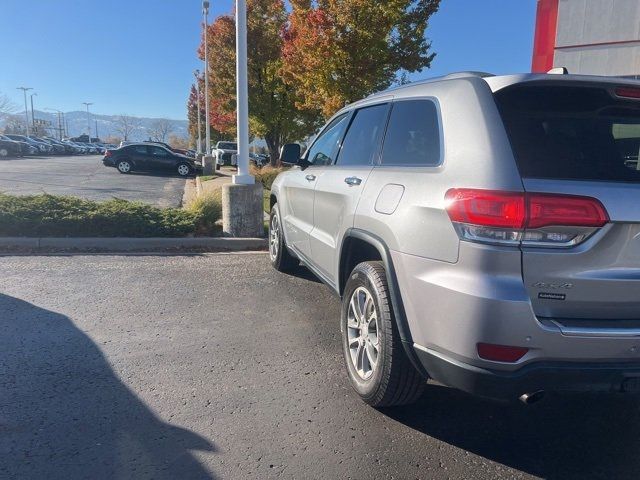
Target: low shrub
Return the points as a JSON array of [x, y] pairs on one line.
[[59, 216], [266, 175], [208, 210]]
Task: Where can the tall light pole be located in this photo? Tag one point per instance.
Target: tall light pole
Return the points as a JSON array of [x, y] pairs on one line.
[[60, 128], [26, 111], [242, 91], [207, 160], [87, 104], [33, 115], [199, 149]]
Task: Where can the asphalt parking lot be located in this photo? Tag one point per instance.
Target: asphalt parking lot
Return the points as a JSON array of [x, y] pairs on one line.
[[86, 177], [216, 366]]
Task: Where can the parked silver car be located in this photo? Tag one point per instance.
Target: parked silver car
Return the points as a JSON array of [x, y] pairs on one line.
[[482, 231]]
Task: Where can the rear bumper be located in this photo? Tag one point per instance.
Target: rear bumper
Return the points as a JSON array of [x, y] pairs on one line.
[[531, 378]]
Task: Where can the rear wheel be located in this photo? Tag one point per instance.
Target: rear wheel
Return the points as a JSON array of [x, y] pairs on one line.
[[280, 257], [4, 152], [377, 364], [183, 169], [124, 166]]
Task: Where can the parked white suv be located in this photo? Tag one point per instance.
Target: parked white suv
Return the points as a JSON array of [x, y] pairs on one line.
[[482, 231], [226, 153]]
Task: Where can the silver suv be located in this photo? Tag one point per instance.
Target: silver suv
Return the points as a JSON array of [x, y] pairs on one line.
[[482, 231]]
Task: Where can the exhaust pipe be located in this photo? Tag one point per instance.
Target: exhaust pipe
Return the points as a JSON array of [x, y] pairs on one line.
[[531, 398]]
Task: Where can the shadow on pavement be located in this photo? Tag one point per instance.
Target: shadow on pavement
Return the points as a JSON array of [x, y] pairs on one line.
[[65, 414], [569, 436]]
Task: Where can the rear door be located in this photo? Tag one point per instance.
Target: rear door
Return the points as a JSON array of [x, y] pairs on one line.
[[339, 186], [581, 140], [160, 158], [299, 187], [139, 155]]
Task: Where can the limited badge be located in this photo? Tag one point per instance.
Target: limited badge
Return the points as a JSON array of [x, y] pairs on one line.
[[552, 296]]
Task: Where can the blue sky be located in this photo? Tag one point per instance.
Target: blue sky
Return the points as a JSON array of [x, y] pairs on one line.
[[137, 56]]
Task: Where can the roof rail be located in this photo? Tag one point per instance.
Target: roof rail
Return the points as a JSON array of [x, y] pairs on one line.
[[450, 76], [558, 71]]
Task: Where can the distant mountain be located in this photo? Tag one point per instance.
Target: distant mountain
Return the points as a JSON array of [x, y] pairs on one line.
[[107, 124]]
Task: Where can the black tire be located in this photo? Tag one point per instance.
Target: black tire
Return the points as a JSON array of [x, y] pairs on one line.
[[184, 169], [124, 166], [279, 255], [394, 380]]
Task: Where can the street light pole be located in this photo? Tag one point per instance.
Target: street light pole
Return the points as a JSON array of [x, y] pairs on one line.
[[199, 149], [33, 117], [243, 176], [207, 160], [26, 111], [87, 104], [60, 121]]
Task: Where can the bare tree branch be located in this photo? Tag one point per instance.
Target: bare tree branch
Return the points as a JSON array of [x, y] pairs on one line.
[[7, 107], [160, 129], [126, 126]]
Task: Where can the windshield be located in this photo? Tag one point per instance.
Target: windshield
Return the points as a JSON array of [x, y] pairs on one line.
[[576, 132], [228, 146]]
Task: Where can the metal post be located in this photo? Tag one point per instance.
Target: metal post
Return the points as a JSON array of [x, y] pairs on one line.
[[33, 117], [60, 129], [96, 129], [26, 111], [207, 160], [199, 149], [242, 90], [88, 119]]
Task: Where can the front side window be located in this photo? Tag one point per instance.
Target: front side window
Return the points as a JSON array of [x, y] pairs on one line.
[[572, 132], [325, 148], [362, 141], [413, 135]]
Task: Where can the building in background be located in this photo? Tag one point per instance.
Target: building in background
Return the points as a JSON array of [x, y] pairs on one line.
[[591, 37]]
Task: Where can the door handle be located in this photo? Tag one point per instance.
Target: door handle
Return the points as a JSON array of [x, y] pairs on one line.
[[311, 178], [353, 181]]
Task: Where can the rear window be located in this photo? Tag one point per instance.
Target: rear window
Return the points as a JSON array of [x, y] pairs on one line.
[[228, 146], [575, 133]]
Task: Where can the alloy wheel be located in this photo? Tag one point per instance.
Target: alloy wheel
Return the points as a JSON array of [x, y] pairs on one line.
[[362, 333], [4, 152], [274, 237], [124, 167], [183, 170]]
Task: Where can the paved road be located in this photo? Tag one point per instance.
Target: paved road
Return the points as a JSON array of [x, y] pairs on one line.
[[216, 366], [85, 176]]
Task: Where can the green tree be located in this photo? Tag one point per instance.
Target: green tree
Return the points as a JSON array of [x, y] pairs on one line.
[[338, 51]]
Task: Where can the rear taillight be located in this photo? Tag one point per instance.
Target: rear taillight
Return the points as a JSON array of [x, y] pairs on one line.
[[108, 153], [518, 218]]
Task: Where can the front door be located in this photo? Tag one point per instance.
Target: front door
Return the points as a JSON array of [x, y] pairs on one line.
[[297, 212], [339, 186]]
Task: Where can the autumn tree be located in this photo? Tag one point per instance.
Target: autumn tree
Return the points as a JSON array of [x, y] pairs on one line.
[[339, 51], [192, 116], [273, 104]]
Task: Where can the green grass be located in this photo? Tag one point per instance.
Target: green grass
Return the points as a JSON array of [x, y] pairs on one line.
[[58, 216], [206, 178]]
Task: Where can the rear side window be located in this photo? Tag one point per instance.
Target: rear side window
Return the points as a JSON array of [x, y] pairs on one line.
[[413, 135], [573, 133], [140, 149], [362, 142]]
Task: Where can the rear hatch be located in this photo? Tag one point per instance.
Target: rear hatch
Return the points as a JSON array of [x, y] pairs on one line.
[[580, 139]]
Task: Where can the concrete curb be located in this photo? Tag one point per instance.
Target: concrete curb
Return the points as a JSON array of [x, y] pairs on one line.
[[198, 186], [115, 245]]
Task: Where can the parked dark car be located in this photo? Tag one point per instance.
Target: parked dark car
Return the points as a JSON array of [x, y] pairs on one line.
[[149, 157], [68, 149], [40, 146], [57, 149], [9, 148]]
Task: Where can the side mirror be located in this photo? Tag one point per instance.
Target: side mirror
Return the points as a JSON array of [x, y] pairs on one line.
[[290, 154]]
